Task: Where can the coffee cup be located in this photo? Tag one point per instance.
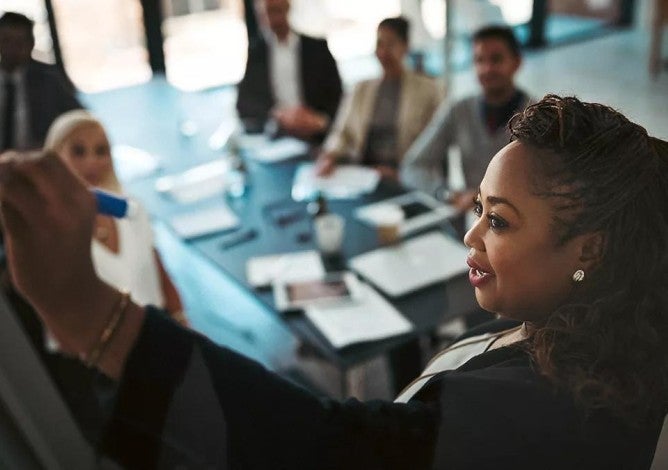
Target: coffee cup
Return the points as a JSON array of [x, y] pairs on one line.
[[329, 231], [389, 220]]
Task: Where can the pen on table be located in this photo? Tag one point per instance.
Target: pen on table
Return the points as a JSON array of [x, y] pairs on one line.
[[239, 238], [113, 205]]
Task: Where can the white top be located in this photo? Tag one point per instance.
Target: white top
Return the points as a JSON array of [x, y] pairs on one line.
[[284, 70], [22, 138], [450, 358], [134, 268]]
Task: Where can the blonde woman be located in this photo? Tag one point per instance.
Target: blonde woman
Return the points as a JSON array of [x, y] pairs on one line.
[[122, 249]]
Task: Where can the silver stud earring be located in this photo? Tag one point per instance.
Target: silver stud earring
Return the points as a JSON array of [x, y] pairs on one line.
[[579, 275]]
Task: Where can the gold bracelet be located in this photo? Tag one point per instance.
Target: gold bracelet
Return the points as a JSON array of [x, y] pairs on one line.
[[179, 316], [91, 359]]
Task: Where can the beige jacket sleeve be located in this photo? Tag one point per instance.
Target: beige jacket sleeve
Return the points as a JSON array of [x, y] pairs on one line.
[[344, 137]]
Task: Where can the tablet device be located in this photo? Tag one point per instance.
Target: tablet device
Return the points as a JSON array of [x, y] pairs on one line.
[[420, 211], [332, 288]]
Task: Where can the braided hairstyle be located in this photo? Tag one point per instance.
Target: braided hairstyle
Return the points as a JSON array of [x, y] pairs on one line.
[[608, 344]]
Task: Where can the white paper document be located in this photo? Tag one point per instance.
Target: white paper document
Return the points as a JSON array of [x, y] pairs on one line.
[[204, 221], [278, 150], [413, 264], [346, 182], [132, 163], [370, 319], [262, 271], [200, 182]]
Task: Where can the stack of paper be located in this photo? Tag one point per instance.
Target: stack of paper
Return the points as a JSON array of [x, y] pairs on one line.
[[204, 221], [346, 182], [262, 271], [370, 319], [278, 150], [197, 183], [132, 163]]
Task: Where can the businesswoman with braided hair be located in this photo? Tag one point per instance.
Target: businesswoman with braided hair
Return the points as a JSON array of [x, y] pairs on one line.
[[571, 243]]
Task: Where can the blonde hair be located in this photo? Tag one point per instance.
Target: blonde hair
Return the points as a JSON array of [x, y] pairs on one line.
[[62, 129]]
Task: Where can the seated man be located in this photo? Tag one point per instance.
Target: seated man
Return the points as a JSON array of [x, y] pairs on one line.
[[32, 94], [477, 124], [291, 79]]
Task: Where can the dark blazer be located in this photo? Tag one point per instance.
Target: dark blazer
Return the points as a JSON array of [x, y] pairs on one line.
[[49, 95], [185, 401], [320, 81]]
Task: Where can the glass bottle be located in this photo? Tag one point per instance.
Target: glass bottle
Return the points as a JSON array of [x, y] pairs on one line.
[[237, 176]]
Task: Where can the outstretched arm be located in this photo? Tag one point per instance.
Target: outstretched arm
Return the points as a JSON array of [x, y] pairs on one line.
[[266, 421], [48, 219]]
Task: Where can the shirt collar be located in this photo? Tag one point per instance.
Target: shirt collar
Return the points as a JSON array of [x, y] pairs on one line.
[[291, 42]]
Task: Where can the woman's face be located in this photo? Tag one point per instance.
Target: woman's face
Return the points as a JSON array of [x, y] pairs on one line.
[[517, 268], [86, 151], [390, 49]]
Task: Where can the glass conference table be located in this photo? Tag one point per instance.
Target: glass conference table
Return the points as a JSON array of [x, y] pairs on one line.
[[282, 225], [149, 116]]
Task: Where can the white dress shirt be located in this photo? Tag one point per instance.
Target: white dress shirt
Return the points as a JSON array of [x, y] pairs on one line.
[[22, 136], [134, 268], [284, 69]]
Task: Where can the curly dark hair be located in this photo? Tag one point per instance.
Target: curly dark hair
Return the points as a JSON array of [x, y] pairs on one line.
[[608, 344]]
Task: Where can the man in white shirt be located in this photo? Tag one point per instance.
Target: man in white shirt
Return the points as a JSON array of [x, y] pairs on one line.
[[291, 80], [32, 94]]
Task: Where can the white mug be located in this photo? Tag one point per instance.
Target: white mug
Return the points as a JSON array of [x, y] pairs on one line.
[[329, 230]]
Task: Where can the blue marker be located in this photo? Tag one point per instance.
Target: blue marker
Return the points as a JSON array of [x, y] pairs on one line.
[[113, 205]]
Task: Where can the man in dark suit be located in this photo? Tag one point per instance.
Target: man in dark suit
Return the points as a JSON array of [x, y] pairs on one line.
[[291, 79], [32, 93]]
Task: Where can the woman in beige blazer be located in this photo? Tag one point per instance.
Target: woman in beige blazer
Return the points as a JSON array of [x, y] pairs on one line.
[[380, 119]]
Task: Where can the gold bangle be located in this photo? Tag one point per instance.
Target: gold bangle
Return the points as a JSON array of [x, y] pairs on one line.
[[179, 316], [91, 359]]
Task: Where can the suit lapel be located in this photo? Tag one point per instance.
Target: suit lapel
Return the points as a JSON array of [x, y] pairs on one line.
[[367, 105], [404, 118]]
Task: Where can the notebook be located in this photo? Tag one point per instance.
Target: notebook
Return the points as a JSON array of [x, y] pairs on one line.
[[345, 182], [195, 184], [262, 271], [203, 222], [370, 319], [414, 264]]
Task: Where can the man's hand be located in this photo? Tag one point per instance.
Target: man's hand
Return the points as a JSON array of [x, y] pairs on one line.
[[387, 172], [300, 121], [325, 164]]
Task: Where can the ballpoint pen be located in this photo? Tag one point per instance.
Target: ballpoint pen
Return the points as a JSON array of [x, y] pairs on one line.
[[239, 238]]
